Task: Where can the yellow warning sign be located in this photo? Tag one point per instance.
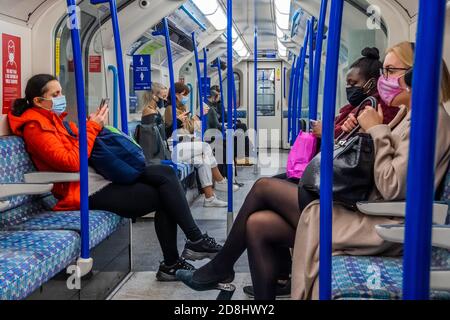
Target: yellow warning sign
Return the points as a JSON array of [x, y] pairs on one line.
[[58, 56]]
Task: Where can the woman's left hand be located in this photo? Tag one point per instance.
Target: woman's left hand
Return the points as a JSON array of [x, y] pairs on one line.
[[370, 118]]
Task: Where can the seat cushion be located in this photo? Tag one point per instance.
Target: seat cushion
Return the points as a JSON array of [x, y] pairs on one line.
[[101, 223], [30, 258], [14, 163], [378, 278]]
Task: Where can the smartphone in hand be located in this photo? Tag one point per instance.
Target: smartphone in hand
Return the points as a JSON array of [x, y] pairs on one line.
[[104, 102]]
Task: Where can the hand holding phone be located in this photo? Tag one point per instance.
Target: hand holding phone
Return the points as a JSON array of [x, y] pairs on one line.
[[104, 102]]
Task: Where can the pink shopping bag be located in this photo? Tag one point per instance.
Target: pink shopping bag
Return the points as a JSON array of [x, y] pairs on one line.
[[302, 152]]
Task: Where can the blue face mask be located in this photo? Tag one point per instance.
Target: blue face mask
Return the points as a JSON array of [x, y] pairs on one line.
[[184, 101], [59, 104]]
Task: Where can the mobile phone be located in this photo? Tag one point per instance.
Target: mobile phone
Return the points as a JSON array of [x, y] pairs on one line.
[[103, 102]]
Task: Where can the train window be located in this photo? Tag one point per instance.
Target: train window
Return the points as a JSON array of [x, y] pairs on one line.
[[237, 83], [92, 53], [266, 92], [64, 67], [354, 38]]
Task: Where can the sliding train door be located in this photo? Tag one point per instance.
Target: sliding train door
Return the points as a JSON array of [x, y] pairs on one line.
[[269, 103]]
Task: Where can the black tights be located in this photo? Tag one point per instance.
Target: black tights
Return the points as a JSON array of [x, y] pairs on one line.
[[266, 226], [158, 189]]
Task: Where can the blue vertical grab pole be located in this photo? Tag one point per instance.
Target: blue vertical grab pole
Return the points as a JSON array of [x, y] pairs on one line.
[[199, 77], [295, 69], [311, 67], [173, 101], [317, 61], [205, 91], [291, 87], [230, 133], [301, 80], [235, 103], [326, 164], [255, 97], [191, 98], [113, 69], [119, 59], [82, 133], [218, 62], [421, 165], [295, 99]]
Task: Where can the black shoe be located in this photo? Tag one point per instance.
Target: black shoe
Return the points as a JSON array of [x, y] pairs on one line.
[[203, 248], [282, 290], [187, 277], [168, 273]]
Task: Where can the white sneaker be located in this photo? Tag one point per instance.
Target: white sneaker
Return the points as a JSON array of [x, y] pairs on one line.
[[214, 202], [223, 186]]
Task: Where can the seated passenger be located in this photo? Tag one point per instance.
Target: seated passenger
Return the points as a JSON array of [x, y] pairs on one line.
[[214, 100], [362, 79], [38, 118], [195, 152], [215, 106], [151, 133], [277, 214], [213, 121]]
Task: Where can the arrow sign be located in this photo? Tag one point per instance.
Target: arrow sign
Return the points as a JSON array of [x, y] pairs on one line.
[[141, 72]]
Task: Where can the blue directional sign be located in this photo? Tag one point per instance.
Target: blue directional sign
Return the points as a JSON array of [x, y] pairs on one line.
[[142, 72]]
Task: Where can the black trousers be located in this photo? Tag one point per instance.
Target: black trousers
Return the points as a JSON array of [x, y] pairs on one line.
[[158, 189]]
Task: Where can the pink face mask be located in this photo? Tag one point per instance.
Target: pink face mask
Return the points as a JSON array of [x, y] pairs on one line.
[[389, 89]]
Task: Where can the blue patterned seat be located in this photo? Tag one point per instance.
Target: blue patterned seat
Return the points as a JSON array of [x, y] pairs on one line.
[[378, 278], [355, 277], [30, 258], [101, 223], [184, 170], [35, 242]]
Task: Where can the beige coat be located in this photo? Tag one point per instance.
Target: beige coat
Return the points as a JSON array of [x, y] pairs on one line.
[[353, 232]]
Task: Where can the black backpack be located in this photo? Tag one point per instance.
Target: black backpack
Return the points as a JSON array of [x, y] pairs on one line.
[[150, 134]]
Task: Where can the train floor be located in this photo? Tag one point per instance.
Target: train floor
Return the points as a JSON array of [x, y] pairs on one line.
[[142, 284]]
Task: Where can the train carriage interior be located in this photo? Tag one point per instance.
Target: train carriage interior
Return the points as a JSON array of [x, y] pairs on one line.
[[267, 69]]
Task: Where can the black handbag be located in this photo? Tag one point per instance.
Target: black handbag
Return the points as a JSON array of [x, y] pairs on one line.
[[353, 166]]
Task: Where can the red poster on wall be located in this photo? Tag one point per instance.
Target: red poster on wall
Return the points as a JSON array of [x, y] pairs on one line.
[[11, 74], [95, 63]]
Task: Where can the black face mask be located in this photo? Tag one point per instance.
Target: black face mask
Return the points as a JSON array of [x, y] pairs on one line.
[[160, 104], [356, 95]]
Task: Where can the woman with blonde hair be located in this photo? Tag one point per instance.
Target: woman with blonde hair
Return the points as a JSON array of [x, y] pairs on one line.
[[354, 232], [290, 217]]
